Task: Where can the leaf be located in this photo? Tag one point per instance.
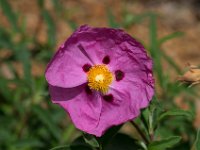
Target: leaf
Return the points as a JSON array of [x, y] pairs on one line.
[[27, 143], [154, 49], [46, 119], [64, 147], [24, 57], [169, 37], [51, 28], [80, 144], [197, 142], [111, 20], [8, 11], [176, 112], [5, 94], [91, 140], [68, 132], [58, 7], [171, 62], [129, 19], [153, 35], [165, 143], [123, 142], [149, 115], [110, 133], [40, 3], [72, 24]]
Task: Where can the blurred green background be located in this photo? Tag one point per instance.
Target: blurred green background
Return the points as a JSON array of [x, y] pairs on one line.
[[30, 33]]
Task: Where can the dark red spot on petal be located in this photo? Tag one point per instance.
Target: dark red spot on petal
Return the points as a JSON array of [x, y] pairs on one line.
[[88, 90], [119, 75], [86, 67], [108, 97], [106, 60]]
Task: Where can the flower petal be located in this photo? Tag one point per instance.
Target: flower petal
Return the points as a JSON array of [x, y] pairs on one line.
[[132, 60], [140, 88], [113, 43], [116, 112], [65, 69], [138, 81], [84, 109]]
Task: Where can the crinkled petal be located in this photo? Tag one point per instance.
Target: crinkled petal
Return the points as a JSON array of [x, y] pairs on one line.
[[84, 109], [131, 59], [115, 43], [140, 89], [116, 112], [138, 78]]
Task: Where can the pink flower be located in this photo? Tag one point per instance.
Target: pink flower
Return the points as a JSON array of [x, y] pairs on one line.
[[102, 77]]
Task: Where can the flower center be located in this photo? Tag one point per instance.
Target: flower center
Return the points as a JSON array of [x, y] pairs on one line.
[[99, 78]]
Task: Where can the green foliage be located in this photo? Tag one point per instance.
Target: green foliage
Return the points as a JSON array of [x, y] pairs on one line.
[[164, 143], [46, 119], [11, 16], [196, 145], [111, 20], [176, 112], [123, 142], [28, 120], [91, 140]]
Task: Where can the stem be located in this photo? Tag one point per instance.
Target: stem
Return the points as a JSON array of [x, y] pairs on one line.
[[151, 129], [140, 132]]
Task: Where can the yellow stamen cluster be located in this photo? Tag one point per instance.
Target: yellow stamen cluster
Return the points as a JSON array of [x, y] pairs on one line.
[[99, 78]]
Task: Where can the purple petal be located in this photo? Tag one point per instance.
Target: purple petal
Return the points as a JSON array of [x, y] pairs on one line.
[[115, 112], [84, 109], [140, 89]]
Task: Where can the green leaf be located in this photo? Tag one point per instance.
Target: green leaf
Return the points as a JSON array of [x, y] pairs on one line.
[[72, 24], [8, 11], [80, 144], [154, 49], [111, 20], [68, 132], [169, 37], [63, 147], [176, 112], [110, 133], [4, 85], [58, 7], [51, 28], [46, 119], [149, 116], [91, 140], [153, 35], [123, 142], [40, 3], [165, 143], [24, 57], [27, 143], [197, 142], [130, 19], [171, 62], [5, 39]]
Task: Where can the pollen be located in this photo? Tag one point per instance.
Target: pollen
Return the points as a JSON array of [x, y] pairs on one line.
[[99, 78]]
